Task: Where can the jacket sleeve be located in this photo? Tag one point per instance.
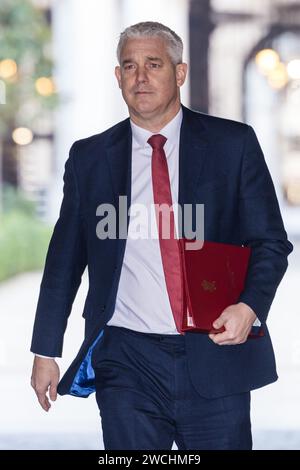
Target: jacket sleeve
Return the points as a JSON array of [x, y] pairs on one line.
[[65, 262], [261, 228]]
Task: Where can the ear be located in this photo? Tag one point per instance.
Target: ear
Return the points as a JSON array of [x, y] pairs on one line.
[[181, 72], [118, 75]]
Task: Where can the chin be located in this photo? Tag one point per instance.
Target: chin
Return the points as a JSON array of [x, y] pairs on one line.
[[144, 108]]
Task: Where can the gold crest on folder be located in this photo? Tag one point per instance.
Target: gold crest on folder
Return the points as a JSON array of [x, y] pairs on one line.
[[210, 286]]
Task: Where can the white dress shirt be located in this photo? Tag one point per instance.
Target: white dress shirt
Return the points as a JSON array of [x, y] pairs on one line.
[[142, 302]]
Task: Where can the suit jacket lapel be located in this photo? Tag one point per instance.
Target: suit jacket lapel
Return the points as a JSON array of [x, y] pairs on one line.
[[118, 154], [192, 154]]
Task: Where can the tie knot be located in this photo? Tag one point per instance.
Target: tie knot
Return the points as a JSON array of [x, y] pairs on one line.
[[157, 141]]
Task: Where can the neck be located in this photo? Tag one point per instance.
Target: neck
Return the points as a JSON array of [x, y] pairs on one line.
[[155, 123]]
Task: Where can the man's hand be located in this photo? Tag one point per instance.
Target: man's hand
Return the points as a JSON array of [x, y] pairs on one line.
[[45, 376], [237, 320]]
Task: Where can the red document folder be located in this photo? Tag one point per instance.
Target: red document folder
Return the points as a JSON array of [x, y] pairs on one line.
[[214, 277]]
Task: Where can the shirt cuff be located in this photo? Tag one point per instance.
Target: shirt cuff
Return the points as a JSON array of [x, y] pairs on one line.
[[47, 357]]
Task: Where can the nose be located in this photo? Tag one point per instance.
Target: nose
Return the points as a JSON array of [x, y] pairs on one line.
[[141, 75]]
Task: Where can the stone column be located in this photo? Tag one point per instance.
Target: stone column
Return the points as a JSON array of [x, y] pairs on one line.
[[85, 34]]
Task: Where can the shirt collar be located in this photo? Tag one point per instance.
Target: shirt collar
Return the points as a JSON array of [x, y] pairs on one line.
[[170, 131]]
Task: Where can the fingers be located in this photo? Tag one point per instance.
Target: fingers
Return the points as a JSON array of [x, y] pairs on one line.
[[41, 395], [220, 337], [45, 377], [43, 401], [219, 322], [226, 338], [223, 336], [43, 398], [53, 392], [234, 324]]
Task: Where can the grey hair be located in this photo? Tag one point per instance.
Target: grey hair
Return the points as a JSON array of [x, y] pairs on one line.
[[153, 29]]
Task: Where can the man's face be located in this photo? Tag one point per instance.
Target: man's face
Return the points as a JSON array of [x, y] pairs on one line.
[[148, 79]]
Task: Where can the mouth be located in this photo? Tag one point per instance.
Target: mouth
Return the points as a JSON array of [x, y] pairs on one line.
[[143, 92]]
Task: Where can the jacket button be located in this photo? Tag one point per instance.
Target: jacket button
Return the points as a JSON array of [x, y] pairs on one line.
[[103, 308]]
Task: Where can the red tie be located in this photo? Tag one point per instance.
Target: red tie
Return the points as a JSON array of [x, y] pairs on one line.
[[169, 245]]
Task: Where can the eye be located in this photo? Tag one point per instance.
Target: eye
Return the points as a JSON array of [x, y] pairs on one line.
[[129, 67], [154, 65]]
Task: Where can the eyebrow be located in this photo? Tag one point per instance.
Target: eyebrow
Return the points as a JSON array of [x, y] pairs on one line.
[[127, 61], [154, 59]]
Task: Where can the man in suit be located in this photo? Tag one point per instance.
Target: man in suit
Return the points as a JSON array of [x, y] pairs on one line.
[[154, 383]]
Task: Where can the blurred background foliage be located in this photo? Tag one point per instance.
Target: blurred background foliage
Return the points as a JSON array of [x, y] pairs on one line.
[[23, 237], [25, 41], [26, 67]]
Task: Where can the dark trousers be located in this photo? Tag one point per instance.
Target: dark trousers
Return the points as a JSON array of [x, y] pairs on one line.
[[147, 400]]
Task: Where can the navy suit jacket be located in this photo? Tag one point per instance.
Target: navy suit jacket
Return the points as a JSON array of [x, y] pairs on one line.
[[221, 165]]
